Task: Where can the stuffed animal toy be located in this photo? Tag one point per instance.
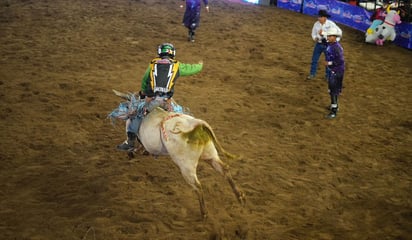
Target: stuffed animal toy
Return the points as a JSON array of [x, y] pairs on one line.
[[377, 18], [385, 31]]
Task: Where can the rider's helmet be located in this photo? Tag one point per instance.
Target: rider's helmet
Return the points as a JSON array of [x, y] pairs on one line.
[[166, 49]]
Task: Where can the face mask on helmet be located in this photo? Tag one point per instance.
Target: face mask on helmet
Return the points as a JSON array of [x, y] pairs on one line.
[[166, 49]]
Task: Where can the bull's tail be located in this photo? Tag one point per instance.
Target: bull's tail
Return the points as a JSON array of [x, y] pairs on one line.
[[208, 129], [197, 131]]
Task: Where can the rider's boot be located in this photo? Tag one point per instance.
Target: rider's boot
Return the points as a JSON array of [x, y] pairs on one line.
[[128, 145]]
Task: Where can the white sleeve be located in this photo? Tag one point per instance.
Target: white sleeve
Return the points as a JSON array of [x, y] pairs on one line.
[[314, 32]]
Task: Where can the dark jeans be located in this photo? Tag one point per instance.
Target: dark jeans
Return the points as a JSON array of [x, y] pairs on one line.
[[335, 83], [317, 51]]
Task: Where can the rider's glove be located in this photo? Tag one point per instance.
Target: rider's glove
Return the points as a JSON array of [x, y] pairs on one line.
[[141, 95]]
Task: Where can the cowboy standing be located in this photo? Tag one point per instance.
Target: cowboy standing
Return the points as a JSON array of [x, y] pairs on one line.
[[321, 26]]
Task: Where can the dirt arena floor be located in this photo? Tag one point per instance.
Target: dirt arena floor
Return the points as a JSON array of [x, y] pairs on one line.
[[304, 176]]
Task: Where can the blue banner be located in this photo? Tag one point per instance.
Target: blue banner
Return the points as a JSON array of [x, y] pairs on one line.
[[294, 5], [403, 35]]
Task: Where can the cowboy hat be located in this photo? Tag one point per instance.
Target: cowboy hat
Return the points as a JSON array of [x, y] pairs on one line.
[[323, 13], [333, 32]]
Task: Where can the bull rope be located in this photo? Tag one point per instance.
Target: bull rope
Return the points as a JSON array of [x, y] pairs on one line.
[[162, 128]]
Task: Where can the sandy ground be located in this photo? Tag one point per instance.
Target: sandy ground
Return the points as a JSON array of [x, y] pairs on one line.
[[305, 177]]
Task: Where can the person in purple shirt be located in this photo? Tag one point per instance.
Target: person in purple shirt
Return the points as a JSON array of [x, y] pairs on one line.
[[191, 18], [335, 63]]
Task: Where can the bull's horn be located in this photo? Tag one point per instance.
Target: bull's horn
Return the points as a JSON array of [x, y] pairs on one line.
[[388, 8]]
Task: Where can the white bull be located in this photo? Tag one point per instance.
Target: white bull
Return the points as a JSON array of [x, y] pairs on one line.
[[186, 140]]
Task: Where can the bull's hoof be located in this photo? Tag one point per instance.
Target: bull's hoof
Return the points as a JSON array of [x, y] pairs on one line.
[[242, 198], [204, 216], [130, 155]]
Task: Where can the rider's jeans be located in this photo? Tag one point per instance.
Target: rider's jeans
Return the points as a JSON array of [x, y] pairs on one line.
[[133, 124]]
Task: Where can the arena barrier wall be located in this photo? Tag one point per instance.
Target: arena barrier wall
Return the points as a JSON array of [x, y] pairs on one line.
[[346, 14]]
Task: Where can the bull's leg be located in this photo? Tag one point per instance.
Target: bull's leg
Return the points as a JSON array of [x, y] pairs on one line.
[[239, 194], [189, 174], [223, 169], [203, 210]]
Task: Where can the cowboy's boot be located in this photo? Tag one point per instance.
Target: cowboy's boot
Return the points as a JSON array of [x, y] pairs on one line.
[[333, 107], [128, 145], [191, 37]]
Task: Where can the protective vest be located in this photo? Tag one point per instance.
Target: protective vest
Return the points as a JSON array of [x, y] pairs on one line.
[[163, 72]]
